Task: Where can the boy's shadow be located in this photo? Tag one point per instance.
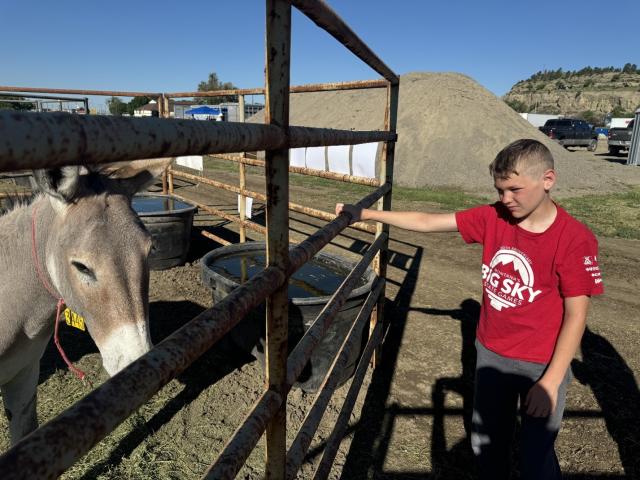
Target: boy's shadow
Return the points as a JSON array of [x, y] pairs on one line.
[[615, 388]]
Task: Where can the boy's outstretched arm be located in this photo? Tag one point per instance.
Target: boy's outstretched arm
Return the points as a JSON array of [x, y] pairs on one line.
[[416, 221], [542, 398]]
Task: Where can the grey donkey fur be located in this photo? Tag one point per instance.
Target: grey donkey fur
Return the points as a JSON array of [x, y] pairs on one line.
[[92, 250]]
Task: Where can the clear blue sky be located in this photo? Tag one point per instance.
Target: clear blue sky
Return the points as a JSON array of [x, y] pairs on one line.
[[139, 45]]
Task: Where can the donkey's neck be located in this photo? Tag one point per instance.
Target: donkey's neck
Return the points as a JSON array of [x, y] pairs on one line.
[[26, 307]]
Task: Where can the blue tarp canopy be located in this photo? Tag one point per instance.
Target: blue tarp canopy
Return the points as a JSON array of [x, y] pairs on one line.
[[204, 110]]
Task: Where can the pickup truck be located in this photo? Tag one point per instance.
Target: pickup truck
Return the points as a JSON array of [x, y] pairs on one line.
[[620, 138], [571, 132]]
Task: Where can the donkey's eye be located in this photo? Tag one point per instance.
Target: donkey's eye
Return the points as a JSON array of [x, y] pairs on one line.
[[82, 268]]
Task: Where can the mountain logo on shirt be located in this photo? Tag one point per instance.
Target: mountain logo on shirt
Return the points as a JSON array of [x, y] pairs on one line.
[[509, 280]]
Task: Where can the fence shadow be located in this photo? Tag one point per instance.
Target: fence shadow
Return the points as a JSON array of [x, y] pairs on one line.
[[457, 461], [366, 456]]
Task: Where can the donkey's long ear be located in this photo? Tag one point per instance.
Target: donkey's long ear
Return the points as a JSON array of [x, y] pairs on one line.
[[61, 183], [135, 176]]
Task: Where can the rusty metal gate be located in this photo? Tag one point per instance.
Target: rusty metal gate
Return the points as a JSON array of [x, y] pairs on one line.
[[40, 140]]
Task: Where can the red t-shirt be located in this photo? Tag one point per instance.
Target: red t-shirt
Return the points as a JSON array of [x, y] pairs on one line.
[[526, 276]]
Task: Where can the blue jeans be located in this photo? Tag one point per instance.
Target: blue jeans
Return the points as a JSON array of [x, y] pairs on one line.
[[501, 384]]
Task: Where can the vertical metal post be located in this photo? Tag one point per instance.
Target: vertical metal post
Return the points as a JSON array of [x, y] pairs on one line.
[[86, 105], [634, 148], [161, 114], [160, 103], [278, 48], [169, 180], [166, 109], [243, 180], [385, 175]]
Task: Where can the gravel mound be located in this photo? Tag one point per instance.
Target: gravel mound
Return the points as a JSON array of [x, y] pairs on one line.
[[449, 129]]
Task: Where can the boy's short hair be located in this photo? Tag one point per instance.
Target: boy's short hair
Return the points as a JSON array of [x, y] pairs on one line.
[[524, 156]]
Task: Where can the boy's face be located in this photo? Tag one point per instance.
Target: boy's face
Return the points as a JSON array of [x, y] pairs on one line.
[[524, 193]]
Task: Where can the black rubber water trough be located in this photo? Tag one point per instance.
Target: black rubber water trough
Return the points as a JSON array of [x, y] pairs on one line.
[[169, 222], [310, 289]]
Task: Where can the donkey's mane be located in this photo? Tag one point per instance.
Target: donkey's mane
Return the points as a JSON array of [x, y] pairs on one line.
[[15, 201]]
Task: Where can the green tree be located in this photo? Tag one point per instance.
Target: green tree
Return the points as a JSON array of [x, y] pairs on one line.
[[135, 103], [117, 106], [517, 105], [15, 105], [592, 118], [620, 112], [212, 84]]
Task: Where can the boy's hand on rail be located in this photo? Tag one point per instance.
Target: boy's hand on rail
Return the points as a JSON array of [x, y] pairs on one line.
[[354, 211]]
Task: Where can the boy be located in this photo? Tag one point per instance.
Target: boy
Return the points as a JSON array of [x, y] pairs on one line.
[[539, 268]]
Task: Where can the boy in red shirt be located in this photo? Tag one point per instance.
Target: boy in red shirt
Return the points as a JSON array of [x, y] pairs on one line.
[[539, 269]]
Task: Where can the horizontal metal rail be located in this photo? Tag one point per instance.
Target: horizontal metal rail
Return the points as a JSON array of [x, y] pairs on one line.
[[313, 212], [46, 140], [215, 238], [341, 177], [306, 249], [300, 445], [15, 194], [245, 438], [216, 211], [323, 16], [333, 442], [325, 87], [44, 97], [106, 93], [216, 93], [312, 87], [312, 337]]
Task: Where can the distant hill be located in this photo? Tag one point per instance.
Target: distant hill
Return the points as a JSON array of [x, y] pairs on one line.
[[590, 92], [449, 129]]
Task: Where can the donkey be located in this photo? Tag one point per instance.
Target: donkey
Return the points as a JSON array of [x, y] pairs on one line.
[[78, 242]]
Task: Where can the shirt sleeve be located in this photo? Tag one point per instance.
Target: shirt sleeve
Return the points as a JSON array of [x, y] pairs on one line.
[[472, 223], [579, 271]]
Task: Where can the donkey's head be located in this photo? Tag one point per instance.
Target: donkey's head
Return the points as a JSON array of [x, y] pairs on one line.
[[96, 253]]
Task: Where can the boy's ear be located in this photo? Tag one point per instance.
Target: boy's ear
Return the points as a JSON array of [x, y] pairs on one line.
[[549, 179]]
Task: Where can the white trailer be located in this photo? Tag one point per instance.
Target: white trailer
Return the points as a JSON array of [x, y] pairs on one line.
[[538, 119], [620, 122]]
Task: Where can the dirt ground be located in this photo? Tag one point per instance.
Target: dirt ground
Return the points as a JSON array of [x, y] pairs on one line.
[[411, 419]]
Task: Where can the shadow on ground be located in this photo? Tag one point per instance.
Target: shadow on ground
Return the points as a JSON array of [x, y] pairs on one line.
[[613, 384]]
